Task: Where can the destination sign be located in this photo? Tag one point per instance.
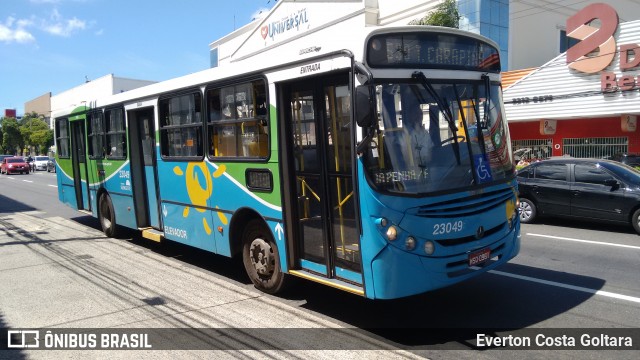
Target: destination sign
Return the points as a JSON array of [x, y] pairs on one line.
[[432, 50]]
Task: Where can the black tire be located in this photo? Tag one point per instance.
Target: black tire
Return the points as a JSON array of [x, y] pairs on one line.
[[635, 220], [107, 216], [261, 259], [528, 211]]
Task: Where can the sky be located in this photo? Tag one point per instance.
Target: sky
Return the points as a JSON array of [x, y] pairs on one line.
[[55, 45]]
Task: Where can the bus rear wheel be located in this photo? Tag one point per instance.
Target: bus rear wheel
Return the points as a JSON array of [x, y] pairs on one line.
[[261, 259], [107, 216]]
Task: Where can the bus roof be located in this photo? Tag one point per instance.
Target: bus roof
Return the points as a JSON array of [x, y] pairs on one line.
[[284, 54]]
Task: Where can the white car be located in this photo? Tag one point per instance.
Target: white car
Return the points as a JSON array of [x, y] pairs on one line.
[[40, 163]]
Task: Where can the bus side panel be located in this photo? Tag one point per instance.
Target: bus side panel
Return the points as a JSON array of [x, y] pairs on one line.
[[123, 207], [188, 225], [230, 193], [198, 199], [116, 181], [66, 189], [184, 190]]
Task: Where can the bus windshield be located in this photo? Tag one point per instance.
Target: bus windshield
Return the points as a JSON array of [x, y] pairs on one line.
[[439, 136]]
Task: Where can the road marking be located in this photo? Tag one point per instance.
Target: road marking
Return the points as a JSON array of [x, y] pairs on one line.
[[29, 181], [55, 186], [567, 286], [585, 241]]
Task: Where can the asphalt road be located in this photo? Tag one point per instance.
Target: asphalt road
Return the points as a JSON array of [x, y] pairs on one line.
[[57, 270]]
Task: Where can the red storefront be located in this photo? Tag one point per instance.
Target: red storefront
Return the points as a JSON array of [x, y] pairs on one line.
[[585, 102], [586, 129]]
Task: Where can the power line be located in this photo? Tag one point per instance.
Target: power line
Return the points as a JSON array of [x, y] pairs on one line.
[[553, 9], [552, 6], [546, 9]]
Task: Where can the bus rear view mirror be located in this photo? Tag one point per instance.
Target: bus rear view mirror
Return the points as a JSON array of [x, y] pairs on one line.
[[364, 107]]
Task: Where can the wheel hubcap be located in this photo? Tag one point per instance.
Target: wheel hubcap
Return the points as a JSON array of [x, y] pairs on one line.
[[525, 211], [262, 257]]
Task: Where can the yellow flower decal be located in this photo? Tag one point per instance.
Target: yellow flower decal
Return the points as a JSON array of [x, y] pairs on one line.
[[199, 193]]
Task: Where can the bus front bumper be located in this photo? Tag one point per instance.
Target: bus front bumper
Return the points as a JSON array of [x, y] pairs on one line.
[[398, 273]]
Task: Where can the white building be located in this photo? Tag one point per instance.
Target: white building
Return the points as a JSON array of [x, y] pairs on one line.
[[529, 32], [289, 20], [537, 27], [94, 89]]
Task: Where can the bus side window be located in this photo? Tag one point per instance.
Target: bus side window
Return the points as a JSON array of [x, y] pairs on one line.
[[237, 123], [181, 126]]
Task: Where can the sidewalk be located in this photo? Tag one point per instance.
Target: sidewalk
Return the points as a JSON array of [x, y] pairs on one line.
[[56, 273]]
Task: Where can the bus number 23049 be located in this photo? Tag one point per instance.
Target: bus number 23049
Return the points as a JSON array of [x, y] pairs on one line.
[[448, 227]]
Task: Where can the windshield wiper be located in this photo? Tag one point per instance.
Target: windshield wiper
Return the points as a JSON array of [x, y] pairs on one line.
[[444, 108]]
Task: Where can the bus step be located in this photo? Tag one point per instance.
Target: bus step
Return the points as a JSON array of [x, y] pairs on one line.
[[152, 234], [336, 283], [86, 212]]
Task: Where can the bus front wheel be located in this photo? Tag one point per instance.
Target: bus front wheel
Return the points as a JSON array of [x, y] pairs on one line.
[[261, 259], [107, 216]]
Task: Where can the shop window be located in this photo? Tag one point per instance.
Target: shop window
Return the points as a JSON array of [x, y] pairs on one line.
[[566, 42], [597, 148], [532, 150], [237, 121]]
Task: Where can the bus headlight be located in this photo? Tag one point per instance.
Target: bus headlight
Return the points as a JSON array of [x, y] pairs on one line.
[[429, 248], [410, 243], [392, 233]]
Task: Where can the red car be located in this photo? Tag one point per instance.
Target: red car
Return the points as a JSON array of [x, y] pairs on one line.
[[12, 165]]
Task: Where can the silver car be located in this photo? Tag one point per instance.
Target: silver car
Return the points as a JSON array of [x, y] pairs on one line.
[[40, 163]]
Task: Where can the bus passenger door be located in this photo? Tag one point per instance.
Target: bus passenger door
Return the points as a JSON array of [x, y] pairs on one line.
[[142, 161], [79, 164], [318, 178]]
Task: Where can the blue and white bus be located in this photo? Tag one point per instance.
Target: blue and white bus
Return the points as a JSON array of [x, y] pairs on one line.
[[377, 163]]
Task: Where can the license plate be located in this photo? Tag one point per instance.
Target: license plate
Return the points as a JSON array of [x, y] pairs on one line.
[[480, 256]]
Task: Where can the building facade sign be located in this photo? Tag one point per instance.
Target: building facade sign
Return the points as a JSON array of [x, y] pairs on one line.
[[286, 24], [547, 127], [629, 123], [593, 91], [597, 48], [583, 56]]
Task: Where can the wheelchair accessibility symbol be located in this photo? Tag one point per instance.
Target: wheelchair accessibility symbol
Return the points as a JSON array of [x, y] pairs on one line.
[[482, 168]]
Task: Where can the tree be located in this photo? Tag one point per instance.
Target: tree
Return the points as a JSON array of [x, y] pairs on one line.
[[445, 14], [11, 136], [42, 140], [36, 133]]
